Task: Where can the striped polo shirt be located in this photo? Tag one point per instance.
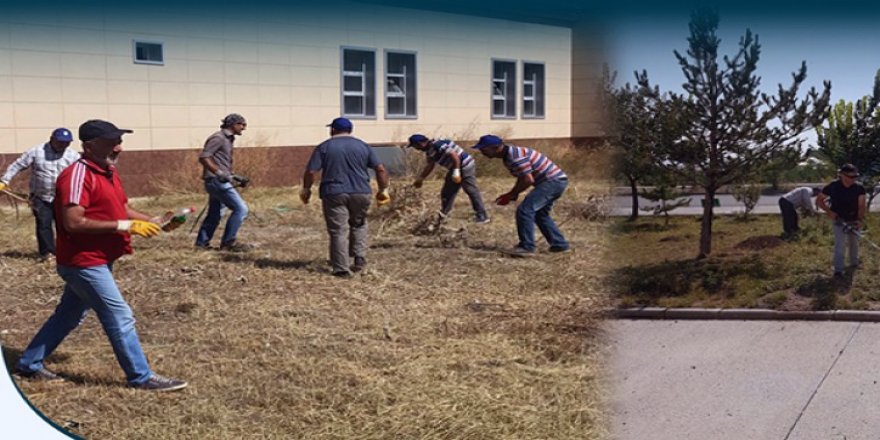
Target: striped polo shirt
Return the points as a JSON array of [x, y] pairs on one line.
[[439, 151], [521, 161], [100, 193]]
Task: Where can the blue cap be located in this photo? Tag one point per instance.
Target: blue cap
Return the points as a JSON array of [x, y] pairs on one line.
[[62, 134], [488, 141], [416, 138], [341, 124]]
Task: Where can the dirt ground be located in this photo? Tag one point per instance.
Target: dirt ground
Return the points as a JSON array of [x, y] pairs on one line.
[[441, 337]]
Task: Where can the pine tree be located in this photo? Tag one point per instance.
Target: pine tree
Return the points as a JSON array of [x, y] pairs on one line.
[[732, 128]]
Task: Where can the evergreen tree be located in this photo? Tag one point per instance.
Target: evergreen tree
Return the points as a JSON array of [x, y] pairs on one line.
[[731, 128]]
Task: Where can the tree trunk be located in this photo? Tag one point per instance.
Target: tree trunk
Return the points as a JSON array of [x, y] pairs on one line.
[[634, 191], [706, 224]]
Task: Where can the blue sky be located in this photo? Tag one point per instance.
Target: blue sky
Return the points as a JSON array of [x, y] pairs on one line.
[[844, 49]]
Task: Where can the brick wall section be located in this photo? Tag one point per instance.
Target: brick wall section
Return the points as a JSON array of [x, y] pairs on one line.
[[152, 172]]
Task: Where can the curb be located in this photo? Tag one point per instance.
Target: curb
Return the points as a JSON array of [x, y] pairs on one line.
[[743, 314]]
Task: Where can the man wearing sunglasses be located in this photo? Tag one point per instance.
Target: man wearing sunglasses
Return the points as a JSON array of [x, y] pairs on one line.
[[847, 210]]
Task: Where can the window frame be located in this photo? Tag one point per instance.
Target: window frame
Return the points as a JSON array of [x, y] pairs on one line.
[[540, 100], [134, 51], [415, 84], [365, 84], [510, 102]]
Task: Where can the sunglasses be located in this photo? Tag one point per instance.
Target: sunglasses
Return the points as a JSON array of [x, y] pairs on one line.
[[851, 176]]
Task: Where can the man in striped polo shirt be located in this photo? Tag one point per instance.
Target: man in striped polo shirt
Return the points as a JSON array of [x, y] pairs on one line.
[[462, 173], [530, 168]]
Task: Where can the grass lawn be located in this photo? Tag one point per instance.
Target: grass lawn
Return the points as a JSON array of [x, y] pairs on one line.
[[441, 337], [750, 266]]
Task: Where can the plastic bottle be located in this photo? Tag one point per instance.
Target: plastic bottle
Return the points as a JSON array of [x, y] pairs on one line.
[[173, 220]]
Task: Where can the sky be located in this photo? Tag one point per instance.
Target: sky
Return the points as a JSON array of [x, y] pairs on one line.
[[844, 49]]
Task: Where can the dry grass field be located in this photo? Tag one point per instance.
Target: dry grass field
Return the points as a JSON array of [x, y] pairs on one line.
[[442, 337]]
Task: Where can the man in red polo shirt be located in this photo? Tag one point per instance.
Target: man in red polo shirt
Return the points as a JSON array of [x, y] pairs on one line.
[[94, 226]]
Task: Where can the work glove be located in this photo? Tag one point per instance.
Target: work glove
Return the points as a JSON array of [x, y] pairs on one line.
[[417, 183], [242, 181], [3, 186], [138, 227], [456, 175], [383, 198], [304, 195], [504, 199]]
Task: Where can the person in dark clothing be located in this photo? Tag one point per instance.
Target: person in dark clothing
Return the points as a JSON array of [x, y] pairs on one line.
[[847, 211]]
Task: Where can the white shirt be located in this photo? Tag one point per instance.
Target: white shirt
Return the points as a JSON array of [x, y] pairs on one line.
[[800, 198], [45, 164]]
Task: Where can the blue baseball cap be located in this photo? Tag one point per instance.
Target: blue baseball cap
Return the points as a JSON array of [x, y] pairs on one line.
[[341, 124], [416, 138], [488, 141], [62, 134]]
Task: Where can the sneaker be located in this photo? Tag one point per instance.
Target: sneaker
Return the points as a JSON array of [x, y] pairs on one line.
[[235, 246], [838, 275], [482, 220], [560, 249], [342, 274], [161, 384], [42, 375], [48, 258], [520, 252], [359, 264], [204, 247]]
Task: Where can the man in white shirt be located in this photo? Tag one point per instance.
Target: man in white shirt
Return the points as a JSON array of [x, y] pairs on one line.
[[798, 198], [45, 161]]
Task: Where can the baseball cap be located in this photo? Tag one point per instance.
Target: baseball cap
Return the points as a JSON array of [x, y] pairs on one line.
[[488, 141], [849, 169], [341, 124], [416, 138], [96, 128], [62, 134]]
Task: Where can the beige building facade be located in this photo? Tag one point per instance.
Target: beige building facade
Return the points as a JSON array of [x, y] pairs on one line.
[[171, 74]]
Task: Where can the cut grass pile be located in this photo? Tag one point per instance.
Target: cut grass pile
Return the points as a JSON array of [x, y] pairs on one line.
[[440, 337], [750, 266]]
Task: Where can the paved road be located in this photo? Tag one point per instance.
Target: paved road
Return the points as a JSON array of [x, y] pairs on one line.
[[729, 205], [744, 380]]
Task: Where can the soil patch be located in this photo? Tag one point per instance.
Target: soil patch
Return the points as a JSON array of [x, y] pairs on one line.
[[760, 242]]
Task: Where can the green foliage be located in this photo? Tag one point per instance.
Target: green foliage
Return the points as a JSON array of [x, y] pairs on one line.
[[748, 195], [667, 199], [851, 134], [728, 128]]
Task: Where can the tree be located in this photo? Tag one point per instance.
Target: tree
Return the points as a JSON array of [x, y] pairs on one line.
[[663, 192], [748, 195], [852, 135], [637, 126], [731, 128]]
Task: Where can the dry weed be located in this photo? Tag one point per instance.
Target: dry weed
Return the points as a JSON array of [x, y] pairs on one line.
[[441, 337]]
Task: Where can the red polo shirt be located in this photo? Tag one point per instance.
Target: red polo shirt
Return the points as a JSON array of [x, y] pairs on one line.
[[100, 192]]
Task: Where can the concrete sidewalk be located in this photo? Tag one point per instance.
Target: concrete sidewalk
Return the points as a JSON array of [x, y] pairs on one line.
[[744, 380]]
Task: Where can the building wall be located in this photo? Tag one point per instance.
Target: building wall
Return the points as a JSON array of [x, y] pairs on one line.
[[279, 66]]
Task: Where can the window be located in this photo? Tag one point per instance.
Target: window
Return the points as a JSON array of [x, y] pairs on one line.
[[533, 90], [358, 83], [146, 52], [503, 89], [400, 85]]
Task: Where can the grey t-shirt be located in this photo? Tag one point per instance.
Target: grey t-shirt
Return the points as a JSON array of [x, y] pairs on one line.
[[344, 162], [219, 147]]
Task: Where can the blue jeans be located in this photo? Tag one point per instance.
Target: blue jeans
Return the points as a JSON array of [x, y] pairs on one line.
[[535, 209], [842, 241], [90, 288], [222, 194]]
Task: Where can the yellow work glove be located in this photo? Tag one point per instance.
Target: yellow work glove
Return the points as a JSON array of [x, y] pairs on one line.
[[456, 175], [138, 227], [383, 198], [304, 195], [2, 186]]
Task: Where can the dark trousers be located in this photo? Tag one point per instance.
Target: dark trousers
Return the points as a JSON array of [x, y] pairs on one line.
[[469, 185], [789, 217], [44, 214]]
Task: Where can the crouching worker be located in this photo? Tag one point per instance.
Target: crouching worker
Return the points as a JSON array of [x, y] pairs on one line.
[[94, 229]]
